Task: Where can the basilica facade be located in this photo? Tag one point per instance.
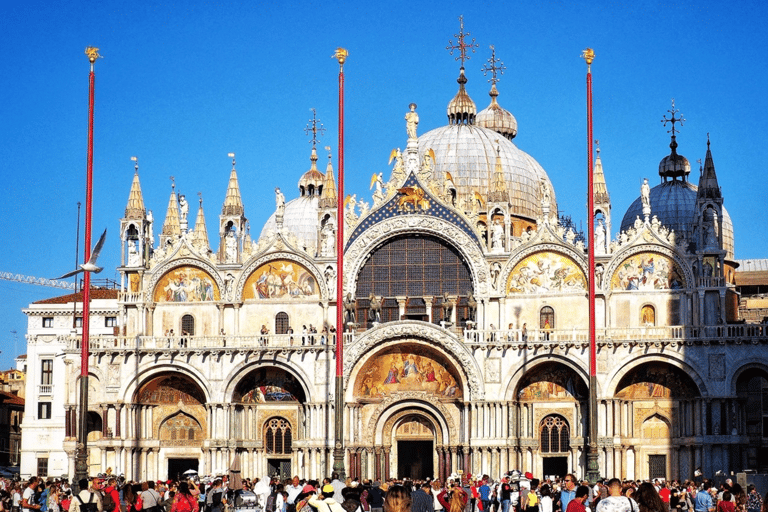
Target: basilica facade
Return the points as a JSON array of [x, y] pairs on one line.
[[466, 342]]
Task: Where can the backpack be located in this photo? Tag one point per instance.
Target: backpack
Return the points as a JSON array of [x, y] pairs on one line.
[[107, 502], [271, 503], [90, 506]]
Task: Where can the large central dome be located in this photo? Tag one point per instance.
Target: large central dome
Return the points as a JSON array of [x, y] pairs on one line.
[[468, 153]]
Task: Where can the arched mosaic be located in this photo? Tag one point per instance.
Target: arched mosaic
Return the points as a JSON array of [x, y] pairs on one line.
[[648, 271], [170, 390], [281, 279], [267, 385], [186, 284], [656, 380], [407, 368], [546, 272], [551, 382]]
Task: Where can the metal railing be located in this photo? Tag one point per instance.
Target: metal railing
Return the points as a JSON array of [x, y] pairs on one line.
[[225, 342]]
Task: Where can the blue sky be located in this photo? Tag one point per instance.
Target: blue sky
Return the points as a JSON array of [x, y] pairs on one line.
[[184, 83]]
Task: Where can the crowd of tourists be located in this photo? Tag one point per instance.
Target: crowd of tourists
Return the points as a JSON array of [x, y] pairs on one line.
[[513, 492]]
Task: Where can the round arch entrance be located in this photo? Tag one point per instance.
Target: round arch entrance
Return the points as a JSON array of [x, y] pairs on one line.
[[413, 442]]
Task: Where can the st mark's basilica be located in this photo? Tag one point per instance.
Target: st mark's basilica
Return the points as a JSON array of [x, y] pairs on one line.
[[467, 348]]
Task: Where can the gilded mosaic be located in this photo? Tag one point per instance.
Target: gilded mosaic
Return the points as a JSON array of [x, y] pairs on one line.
[[407, 369], [546, 272], [171, 390], [280, 279], [656, 380], [553, 383], [186, 284], [268, 385], [648, 271]]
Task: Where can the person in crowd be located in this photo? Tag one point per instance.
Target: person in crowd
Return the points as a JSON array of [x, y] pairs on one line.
[[84, 500], [397, 499], [580, 497], [726, 505], [184, 501], [324, 501], [568, 492], [615, 502], [754, 500], [421, 499], [454, 499], [546, 498], [648, 500]]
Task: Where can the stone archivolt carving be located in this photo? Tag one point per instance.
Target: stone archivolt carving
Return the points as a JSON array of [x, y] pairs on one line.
[[390, 424], [418, 332], [252, 265], [357, 253], [398, 398], [160, 271]]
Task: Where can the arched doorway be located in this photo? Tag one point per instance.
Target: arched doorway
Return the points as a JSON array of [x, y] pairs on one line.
[[414, 437], [752, 392]]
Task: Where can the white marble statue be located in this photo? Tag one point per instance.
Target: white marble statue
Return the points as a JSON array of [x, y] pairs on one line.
[[231, 248], [279, 201], [497, 237], [134, 259], [600, 237], [411, 121]]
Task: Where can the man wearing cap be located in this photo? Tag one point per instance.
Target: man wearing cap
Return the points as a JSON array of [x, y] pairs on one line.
[[324, 501]]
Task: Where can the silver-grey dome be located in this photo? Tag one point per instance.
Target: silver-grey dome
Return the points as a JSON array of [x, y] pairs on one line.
[[674, 204], [468, 152], [300, 218]]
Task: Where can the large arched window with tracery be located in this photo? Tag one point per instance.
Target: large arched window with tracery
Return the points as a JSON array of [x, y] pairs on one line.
[[555, 435], [278, 436], [416, 267]]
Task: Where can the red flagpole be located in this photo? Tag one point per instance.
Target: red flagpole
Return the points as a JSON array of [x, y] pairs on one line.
[[338, 452], [81, 459], [593, 464]]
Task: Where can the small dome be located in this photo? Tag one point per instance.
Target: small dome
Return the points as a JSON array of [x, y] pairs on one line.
[[311, 182], [674, 204], [674, 165], [461, 109], [300, 218], [496, 118]]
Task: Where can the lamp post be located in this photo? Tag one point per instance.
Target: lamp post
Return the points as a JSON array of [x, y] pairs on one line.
[[81, 457], [338, 422]]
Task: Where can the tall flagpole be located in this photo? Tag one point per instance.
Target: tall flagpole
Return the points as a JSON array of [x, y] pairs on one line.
[[81, 459], [338, 449], [593, 463]]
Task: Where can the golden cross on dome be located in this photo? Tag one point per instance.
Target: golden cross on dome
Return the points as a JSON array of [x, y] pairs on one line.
[[493, 68], [673, 119], [314, 128], [460, 44]]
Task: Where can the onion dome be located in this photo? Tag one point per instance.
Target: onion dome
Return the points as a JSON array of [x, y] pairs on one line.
[[461, 109], [311, 183], [673, 165], [496, 118]]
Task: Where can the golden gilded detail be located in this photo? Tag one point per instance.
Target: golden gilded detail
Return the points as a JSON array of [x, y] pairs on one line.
[[93, 53], [416, 197]]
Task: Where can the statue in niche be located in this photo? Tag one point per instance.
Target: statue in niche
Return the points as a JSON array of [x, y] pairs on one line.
[[600, 237], [497, 236], [230, 244], [134, 259], [411, 121], [330, 280], [374, 309], [327, 239], [495, 272]]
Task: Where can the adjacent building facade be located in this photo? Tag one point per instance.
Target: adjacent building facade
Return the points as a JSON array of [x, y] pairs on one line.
[[466, 311]]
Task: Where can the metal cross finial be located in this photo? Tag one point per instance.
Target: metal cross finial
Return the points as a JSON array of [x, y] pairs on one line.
[[173, 183], [314, 128], [597, 143], [135, 159], [493, 68], [200, 195], [328, 149], [673, 119], [232, 156], [460, 44]]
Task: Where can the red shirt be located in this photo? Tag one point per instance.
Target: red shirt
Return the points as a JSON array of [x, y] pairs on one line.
[[576, 505], [664, 493], [725, 506]]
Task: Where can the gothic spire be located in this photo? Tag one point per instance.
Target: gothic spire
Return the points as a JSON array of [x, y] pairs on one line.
[[200, 236], [599, 188], [171, 226], [135, 207], [328, 197], [233, 204], [708, 186]]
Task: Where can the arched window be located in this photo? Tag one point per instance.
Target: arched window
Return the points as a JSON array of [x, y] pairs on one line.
[[281, 323], [547, 318], [555, 435], [648, 315], [277, 436], [188, 325]]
